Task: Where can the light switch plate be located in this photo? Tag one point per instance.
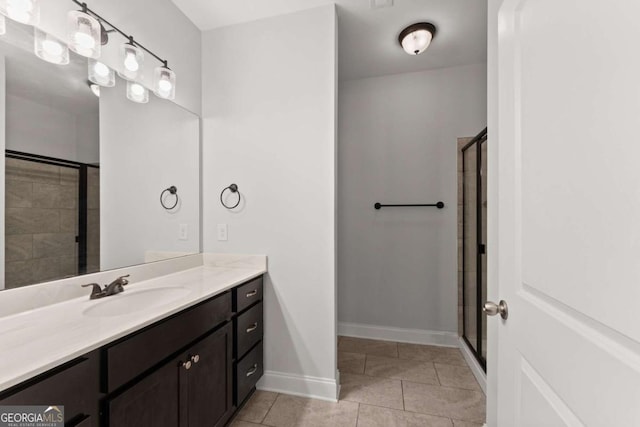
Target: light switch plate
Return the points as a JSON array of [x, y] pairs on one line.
[[222, 232], [183, 232]]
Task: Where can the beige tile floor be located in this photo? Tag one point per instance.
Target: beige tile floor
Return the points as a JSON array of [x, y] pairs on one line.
[[383, 384]]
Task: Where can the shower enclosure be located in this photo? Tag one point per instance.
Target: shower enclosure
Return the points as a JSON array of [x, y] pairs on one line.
[[473, 158]]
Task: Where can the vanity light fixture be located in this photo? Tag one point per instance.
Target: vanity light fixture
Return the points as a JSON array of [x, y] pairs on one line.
[[85, 33], [91, 33], [137, 93], [23, 11], [95, 89], [416, 38], [164, 82], [132, 60], [101, 74], [49, 48]]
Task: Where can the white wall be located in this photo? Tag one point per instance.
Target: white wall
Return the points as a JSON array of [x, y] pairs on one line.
[[159, 25], [49, 130], [144, 149], [269, 126], [397, 144]]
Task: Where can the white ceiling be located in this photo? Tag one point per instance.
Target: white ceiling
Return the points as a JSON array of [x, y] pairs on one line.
[[368, 42]]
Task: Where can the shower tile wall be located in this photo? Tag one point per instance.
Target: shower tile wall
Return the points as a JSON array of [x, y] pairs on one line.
[[93, 220], [41, 222]]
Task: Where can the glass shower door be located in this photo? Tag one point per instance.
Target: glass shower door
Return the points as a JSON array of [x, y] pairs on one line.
[[474, 232]]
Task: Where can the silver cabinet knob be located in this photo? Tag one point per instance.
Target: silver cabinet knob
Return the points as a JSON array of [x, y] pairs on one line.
[[252, 328], [187, 365], [491, 308], [252, 370], [253, 293], [195, 358]]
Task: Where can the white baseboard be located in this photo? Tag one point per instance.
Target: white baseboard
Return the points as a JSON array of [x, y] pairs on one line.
[[476, 369], [299, 385], [384, 333]]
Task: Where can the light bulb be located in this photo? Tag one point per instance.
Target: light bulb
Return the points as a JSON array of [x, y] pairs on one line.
[[100, 69], [130, 62], [137, 93], [84, 40], [52, 47], [100, 74], [137, 89], [165, 85]]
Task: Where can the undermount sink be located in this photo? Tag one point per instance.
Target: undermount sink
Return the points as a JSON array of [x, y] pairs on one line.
[[132, 301]]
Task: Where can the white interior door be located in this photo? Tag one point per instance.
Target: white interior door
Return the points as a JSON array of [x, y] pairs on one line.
[[569, 213]]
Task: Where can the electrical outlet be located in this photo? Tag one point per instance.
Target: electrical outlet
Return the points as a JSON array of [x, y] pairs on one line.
[[222, 232], [183, 232]]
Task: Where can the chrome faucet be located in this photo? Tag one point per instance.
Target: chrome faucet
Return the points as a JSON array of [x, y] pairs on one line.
[[112, 288]]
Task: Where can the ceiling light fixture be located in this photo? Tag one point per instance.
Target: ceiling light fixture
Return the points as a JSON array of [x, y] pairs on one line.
[[416, 38], [23, 11], [164, 82], [49, 48], [132, 60], [86, 33], [100, 74], [137, 93]]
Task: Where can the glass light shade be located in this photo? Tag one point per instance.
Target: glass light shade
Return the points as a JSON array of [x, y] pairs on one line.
[[84, 34], [416, 42], [95, 89], [3, 25], [164, 83], [100, 74], [49, 48], [24, 11], [132, 61], [137, 93]]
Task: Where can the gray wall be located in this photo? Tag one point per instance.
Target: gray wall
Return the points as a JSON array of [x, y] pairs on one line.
[[397, 144]]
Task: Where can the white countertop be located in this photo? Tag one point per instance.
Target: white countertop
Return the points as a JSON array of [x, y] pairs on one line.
[[34, 341]]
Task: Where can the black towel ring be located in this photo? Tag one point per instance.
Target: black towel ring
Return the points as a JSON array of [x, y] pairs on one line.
[[172, 190], [234, 189]]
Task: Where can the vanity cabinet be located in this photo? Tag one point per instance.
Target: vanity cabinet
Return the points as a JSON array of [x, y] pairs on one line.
[[248, 335], [74, 385], [192, 369], [193, 389]]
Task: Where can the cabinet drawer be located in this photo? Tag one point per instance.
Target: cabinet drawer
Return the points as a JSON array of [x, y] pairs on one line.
[[248, 294], [248, 329], [135, 354], [248, 372], [73, 385]]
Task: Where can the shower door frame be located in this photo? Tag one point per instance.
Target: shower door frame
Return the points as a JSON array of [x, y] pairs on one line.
[[481, 251], [81, 237]]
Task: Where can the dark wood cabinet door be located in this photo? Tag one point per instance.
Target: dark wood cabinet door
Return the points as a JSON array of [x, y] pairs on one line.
[[210, 383], [152, 402]]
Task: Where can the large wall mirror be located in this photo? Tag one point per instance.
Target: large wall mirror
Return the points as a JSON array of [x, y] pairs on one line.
[[84, 174]]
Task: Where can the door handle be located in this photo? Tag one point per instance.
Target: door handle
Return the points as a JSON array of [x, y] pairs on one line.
[[491, 309]]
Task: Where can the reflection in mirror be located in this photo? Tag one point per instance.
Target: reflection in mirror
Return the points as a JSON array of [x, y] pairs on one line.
[[84, 171]]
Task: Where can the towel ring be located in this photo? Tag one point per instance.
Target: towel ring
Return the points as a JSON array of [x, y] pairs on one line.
[[234, 189], [172, 190]]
